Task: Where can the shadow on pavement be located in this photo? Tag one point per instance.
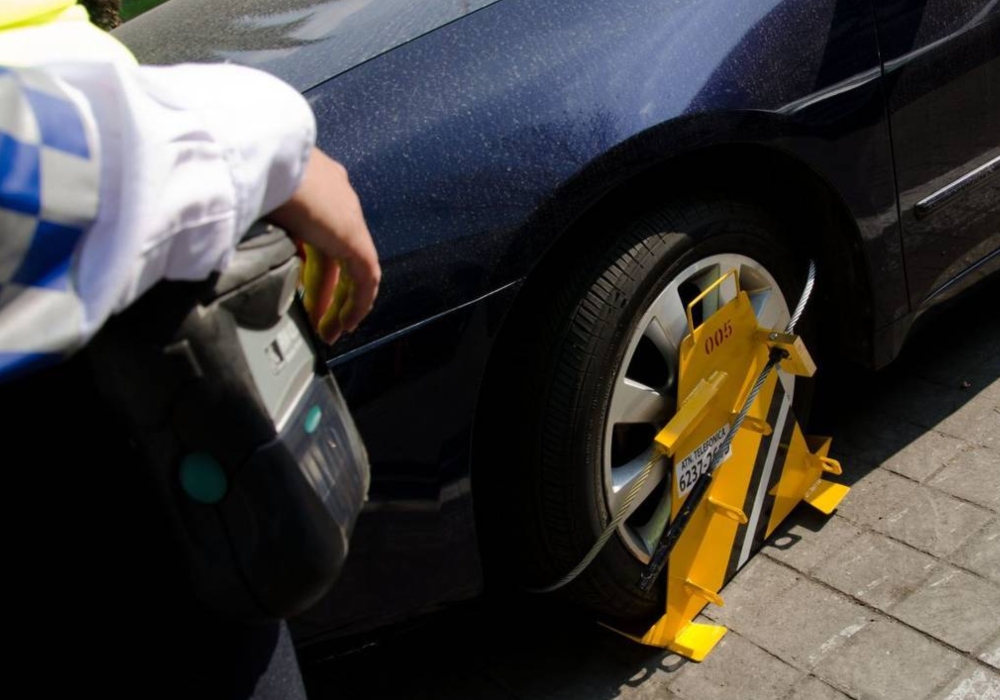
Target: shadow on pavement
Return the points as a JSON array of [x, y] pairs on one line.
[[520, 647], [950, 357]]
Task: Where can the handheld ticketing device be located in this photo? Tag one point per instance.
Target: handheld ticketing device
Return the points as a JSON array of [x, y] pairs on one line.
[[247, 437]]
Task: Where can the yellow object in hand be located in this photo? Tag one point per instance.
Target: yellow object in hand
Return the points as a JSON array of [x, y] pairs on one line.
[[328, 293]]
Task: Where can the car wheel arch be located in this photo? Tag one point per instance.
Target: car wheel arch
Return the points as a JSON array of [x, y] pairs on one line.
[[797, 197]]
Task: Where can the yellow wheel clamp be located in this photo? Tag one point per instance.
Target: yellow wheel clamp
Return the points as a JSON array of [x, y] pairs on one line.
[[725, 505]]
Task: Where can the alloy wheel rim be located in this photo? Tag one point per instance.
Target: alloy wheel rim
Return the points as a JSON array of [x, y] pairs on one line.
[[644, 393]]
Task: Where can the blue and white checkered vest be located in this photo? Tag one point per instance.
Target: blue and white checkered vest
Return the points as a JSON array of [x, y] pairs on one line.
[[49, 197]]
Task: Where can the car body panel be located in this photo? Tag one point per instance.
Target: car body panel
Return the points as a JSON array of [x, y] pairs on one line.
[[415, 545], [303, 42], [943, 91]]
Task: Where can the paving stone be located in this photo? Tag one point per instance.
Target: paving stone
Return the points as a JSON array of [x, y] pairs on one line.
[[649, 672], [800, 624], [922, 517], [939, 357], [889, 661], [981, 553], [807, 538], [641, 659], [812, 688], [636, 690], [948, 366], [973, 475], [971, 383], [736, 668], [924, 456], [991, 387], [549, 665], [919, 401], [991, 653], [751, 595], [867, 502], [525, 649], [954, 606], [877, 570], [978, 422], [977, 683], [869, 438], [980, 384], [641, 692]]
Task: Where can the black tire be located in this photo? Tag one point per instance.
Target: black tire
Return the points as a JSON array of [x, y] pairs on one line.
[[580, 324]]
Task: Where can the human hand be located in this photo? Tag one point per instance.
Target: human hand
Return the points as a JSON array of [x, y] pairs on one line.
[[342, 272]]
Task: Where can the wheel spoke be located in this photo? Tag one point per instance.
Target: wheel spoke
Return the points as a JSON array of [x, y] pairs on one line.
[[671, 319], [658, 337], [633, 402], [625, 476], [758, 299], [772, 312], [651, 532]]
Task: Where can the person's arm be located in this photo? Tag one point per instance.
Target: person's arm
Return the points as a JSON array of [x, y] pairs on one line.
[[193, 155]]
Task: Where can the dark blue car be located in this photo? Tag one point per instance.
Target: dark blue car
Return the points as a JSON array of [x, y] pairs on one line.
[[548, 182]]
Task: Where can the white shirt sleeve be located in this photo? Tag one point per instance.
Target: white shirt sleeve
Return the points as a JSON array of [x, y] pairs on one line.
[[191, 156]]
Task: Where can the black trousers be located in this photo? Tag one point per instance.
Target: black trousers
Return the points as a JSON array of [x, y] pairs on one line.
[[94, 594]]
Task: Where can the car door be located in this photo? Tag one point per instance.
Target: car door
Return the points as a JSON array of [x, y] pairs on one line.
[[942, 80]]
